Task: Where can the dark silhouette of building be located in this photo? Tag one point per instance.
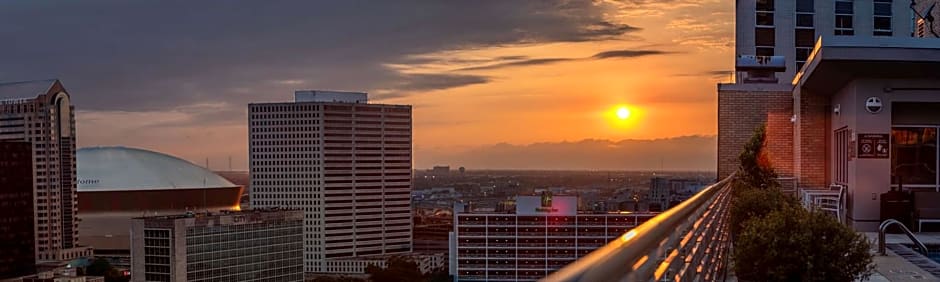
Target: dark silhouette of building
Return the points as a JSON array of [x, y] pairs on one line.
[[17, 249]]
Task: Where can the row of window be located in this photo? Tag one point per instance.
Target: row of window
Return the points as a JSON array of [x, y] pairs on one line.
[[805, 32]]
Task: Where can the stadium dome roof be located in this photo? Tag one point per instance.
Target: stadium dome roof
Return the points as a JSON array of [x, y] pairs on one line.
[[131, 169]]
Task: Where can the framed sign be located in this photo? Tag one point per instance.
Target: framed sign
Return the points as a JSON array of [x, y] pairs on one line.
[[873, 146]]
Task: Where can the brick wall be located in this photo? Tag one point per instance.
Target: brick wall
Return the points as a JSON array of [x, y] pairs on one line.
[[740, 112], [812, 153]]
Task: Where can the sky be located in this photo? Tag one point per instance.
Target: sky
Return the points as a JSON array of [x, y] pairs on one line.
[[493, 84]]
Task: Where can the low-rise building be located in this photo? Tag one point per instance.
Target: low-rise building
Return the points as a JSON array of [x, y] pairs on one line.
[[253, 245], [544, 234]]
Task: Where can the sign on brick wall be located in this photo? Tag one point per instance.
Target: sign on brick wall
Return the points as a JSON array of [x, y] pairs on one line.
[[873, 146]]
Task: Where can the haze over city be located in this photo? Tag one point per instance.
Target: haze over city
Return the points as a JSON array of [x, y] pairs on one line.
[[494, 85]]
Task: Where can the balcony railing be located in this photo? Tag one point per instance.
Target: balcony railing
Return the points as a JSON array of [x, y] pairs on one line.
[[687, 242]]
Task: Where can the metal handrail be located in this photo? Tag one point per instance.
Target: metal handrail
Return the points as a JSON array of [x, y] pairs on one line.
[[687, 241], [881, 236]]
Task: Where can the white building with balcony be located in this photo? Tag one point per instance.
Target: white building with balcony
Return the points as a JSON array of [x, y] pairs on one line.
[[543, 235]]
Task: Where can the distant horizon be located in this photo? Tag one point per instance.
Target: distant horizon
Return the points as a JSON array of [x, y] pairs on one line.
[[664, 152]]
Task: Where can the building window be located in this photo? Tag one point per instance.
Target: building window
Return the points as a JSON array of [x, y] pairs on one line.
[[881, 18], [764, 32], [805, 32], [765, 5], [765, 18], [764, 40], [844, 12], [914, 155], [804, 19]]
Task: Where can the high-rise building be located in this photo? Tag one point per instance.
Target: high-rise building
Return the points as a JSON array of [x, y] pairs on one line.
[[251, 245], [660, 191], [17, 242], [40, 113], [543, 235], [347, 164], [790, 28]]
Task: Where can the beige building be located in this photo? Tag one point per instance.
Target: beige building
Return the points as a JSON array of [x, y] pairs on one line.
[[347, 164], [40, 113]]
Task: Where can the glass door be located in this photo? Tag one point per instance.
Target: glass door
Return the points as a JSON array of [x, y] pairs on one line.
[[914, 156]]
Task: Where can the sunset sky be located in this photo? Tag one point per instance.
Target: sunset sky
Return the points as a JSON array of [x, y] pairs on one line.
[[494, 84]]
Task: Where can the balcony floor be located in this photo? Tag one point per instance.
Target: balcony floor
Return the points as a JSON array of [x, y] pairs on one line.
[[897, 268]]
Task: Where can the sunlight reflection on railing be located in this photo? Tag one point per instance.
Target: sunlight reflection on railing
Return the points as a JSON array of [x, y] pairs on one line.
[[687, 242]]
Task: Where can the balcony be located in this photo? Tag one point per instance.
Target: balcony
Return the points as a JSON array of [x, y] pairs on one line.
[[687, 242]]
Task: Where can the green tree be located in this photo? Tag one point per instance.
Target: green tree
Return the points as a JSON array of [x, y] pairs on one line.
[[756, 169], [399, 269], [750, 203], [440, 275], [101, 267], [98, 267], [793, 244]]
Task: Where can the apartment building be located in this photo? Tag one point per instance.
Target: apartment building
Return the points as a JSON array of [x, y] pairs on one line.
[[544, 234]]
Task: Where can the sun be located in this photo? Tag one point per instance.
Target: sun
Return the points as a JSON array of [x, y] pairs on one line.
[[623, 113], [623, 116]]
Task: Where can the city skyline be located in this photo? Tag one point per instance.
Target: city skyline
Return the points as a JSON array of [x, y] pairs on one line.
[[530, 75]]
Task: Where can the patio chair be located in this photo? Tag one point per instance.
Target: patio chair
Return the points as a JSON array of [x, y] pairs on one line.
[[833, 204]]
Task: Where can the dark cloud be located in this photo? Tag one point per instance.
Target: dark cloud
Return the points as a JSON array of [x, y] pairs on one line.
[[428, 81], [530, 62], [544, 61], [627, 54], [711, 73], [155, 55], [679, 153]]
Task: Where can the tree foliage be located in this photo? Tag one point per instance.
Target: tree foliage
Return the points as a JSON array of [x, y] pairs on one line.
[[756, 169], [98, 267], [399, 269], [776, 239], [750, 203], [101, 267], [793, 244]]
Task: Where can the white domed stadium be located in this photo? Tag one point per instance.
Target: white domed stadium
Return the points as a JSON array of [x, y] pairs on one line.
[[116, 184]]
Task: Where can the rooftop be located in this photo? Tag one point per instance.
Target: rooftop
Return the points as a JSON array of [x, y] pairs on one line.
[[25, 89], [220, 213], [132, 169], [836, 60]]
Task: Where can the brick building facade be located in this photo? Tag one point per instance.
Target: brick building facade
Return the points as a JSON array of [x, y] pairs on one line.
[[744, 107]]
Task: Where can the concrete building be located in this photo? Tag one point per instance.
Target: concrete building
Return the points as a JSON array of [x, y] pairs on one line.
[[347, 164], [660, 192], [862, 114], [254, 245], [17, 239], [790, 28], [544, 234], [116, 184], [871, 107], [41, 114]]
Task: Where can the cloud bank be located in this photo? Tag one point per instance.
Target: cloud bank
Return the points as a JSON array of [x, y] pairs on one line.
[[687, 153]]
